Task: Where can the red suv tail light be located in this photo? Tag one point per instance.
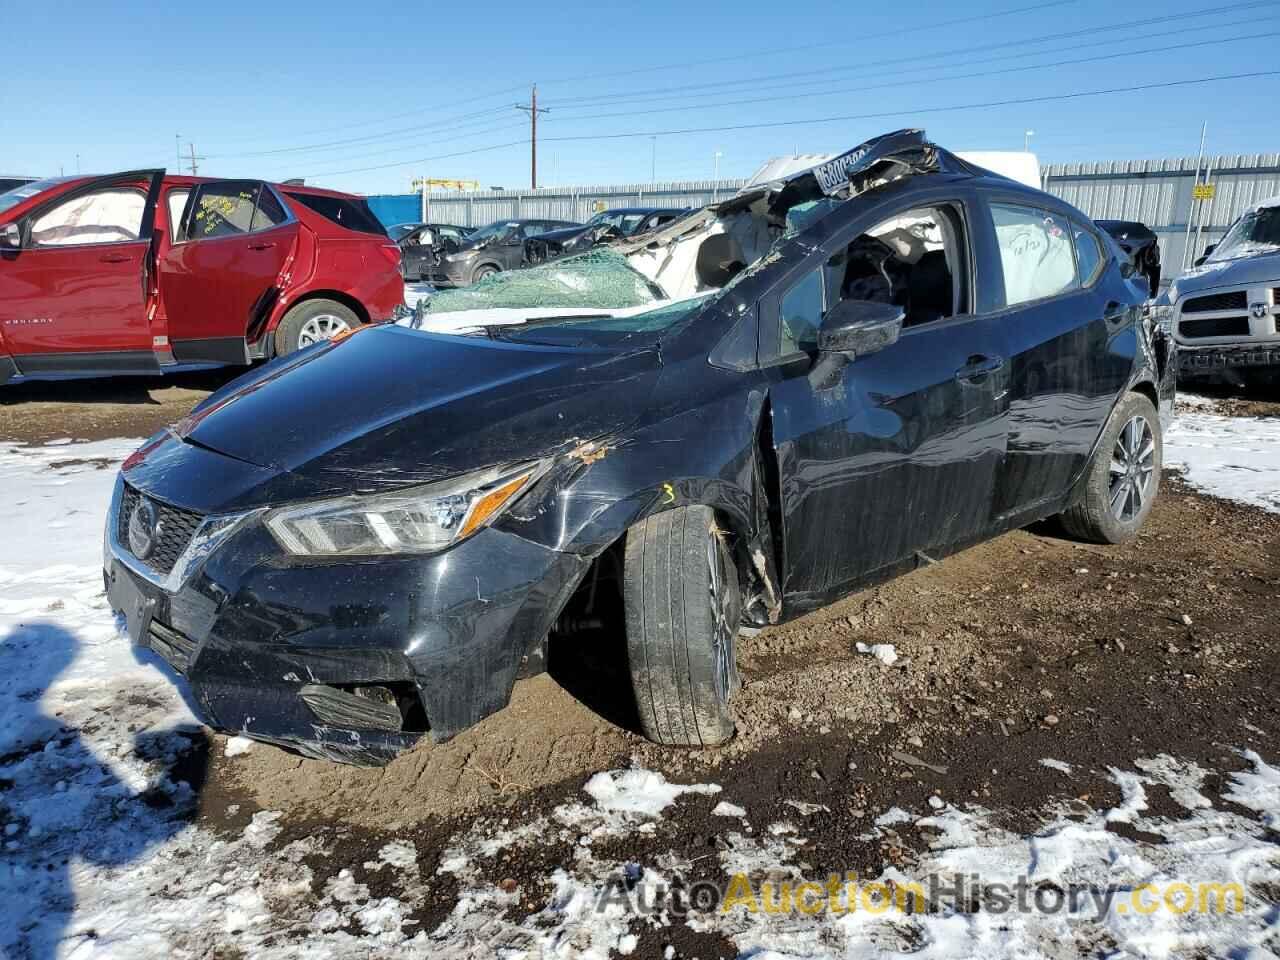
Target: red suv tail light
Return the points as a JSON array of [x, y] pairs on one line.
[[391, 252]]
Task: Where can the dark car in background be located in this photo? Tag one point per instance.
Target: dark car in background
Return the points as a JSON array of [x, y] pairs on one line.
[[424, 244], [617, 224], [491, 249], [368, 542], [1140, 244]]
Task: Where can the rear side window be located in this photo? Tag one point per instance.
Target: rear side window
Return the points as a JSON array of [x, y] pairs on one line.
[[349, 212], [113, 215], [270, 211], [1088, 254], [1035, 253], [223, 210]]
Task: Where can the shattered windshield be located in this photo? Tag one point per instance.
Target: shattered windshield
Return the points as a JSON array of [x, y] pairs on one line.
[[498, 230], [604, 331], [1256, 232], [601, 279]]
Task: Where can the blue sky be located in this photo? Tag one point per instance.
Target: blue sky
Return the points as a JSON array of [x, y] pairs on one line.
[[328, 89]]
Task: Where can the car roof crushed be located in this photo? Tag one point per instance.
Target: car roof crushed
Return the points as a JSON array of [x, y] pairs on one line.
[[701, 252]]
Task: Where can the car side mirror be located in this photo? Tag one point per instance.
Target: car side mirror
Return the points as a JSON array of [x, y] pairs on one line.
[[10, 236], [851, 329], [858, 327], [1205, 256]]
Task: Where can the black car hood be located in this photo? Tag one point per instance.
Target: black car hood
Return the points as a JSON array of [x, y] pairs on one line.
[[390, 406]]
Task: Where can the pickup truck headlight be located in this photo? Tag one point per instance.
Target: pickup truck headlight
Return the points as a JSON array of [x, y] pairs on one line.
[[412, 520], [1162, 316]]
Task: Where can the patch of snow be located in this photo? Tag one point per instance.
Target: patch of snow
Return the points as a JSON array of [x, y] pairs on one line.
[[1237, 458], [1060, 765], [726, 809], [237, 745], [886, 653], [639, 791], [893, 815]]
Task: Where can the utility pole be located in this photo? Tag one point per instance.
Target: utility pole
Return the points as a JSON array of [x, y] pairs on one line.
[[194, 169], [1026, 140], [177, 145], [1191, 203], [77, 164], [715, 180], [533, 110], [653, 159]]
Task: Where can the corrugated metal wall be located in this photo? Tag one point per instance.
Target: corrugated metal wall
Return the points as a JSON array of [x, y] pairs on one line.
[[1155, 192], [476, 208], [1158, 193]]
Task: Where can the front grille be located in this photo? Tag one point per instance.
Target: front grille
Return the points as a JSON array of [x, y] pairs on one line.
[[1235, 300], [174, 530], [1215, 327]]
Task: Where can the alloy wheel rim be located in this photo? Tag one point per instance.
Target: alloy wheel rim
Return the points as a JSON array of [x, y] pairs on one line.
[[323, 326], [1133, 467]]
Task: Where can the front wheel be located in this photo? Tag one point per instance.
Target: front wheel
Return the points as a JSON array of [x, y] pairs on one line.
[[313, 321], [1123, 477], [683, 608], [488, 270]]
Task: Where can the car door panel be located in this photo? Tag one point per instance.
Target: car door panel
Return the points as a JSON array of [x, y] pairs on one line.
[[213, 285], [898, 458], [1066, 368], [77, 306]]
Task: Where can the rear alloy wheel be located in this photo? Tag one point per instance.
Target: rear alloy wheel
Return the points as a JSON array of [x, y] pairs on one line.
[[683, 610], [1123, 478], [313, 321]]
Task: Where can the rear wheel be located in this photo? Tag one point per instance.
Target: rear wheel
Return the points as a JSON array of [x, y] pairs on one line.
[[312, 322], [1123, 477], [683, 609]]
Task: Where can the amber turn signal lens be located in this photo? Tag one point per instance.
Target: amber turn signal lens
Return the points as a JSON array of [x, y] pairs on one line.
[[489, 504]]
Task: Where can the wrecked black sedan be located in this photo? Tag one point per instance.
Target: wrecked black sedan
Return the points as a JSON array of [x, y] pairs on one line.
[[370, 540]]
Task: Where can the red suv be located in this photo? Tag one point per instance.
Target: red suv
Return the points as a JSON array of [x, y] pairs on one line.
[[145, 273]]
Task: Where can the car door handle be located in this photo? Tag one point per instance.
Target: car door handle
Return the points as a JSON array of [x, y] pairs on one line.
[[979, 368], [114, 258], [262, 245]]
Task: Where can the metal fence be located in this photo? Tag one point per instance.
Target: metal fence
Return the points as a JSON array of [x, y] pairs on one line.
[[1159, 194], [476, 208], [1155, 192]]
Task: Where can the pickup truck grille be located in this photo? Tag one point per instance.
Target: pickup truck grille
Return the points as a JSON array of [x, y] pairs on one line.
[[174, 530], [1215, 327], [1233, 300]]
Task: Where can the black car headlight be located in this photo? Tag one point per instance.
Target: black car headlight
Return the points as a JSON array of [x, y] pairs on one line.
[[411, 520]]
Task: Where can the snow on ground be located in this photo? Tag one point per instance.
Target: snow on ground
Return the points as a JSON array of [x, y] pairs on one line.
[[1233, 457], [413, 292], [101, 859]]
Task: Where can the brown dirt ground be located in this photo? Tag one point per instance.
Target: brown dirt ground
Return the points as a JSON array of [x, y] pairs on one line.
[[1027, 647]]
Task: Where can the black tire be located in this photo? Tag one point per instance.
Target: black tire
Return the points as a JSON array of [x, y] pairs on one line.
[[683, 609], [1134, 426], [482, 271], [289, 335]]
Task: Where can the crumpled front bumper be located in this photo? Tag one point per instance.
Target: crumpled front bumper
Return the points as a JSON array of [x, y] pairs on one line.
[[257, 633], [1219, 357]]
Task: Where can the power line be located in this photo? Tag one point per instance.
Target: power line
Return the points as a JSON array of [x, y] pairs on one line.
[[936, 79], [859, 39], [1017, 101], [468, 127], [702, 105], [772, 51], [897, 60]]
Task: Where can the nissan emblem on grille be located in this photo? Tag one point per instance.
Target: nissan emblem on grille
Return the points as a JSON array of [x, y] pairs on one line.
[[1259, 310], [144, 528]]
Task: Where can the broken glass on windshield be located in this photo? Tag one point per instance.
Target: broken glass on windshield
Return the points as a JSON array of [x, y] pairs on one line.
[[601, 279]]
